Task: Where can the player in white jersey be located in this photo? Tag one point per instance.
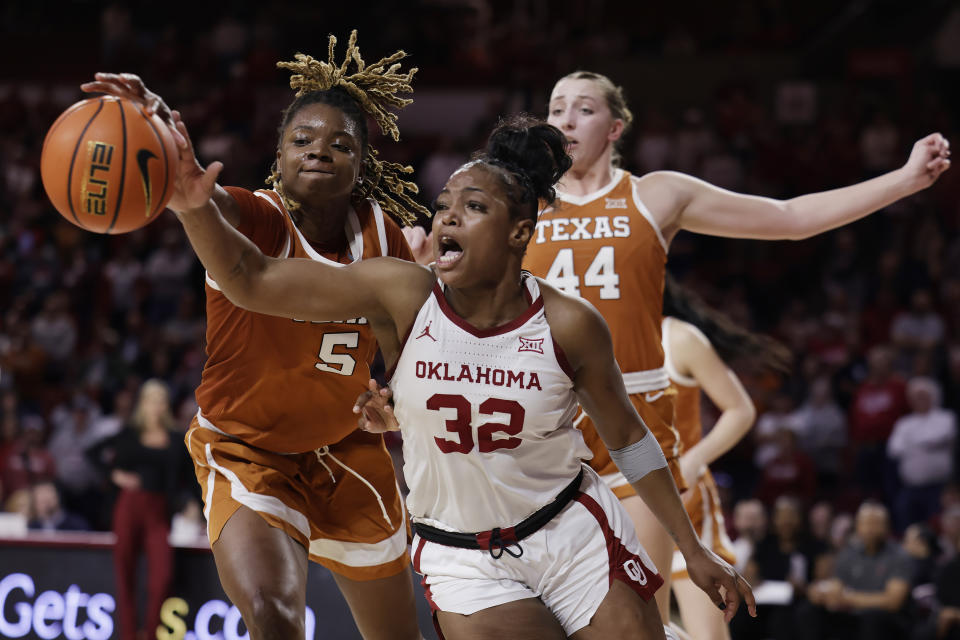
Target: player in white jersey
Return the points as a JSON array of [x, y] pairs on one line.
[[515, 538]]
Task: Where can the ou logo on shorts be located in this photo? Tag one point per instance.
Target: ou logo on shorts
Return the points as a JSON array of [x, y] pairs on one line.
[[635, 571]]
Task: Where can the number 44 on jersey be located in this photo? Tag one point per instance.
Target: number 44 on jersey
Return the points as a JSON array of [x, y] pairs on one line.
[[601, 273]]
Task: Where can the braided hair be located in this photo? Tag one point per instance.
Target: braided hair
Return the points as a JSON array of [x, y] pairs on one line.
[[371, 90], [729, 339], [530, 157]]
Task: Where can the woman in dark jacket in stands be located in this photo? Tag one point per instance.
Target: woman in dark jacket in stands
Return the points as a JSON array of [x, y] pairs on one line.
[[144, 461]]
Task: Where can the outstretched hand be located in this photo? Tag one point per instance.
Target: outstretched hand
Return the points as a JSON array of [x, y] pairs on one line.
[[375, 409], [721, 582], [929, 158], [421, 244], [130, 86], [194, 185]]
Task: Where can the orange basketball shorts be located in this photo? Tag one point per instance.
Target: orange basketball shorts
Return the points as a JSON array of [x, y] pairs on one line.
[[340, 502], [656, 410], [702, 503]]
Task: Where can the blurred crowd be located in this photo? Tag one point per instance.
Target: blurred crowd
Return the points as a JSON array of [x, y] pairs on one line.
[[854, 459]]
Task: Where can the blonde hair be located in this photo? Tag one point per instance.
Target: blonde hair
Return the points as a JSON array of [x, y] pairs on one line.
[[374, 88], [138, 419], [616, 102]]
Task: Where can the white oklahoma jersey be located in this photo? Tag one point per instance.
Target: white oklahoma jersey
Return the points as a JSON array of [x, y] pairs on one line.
[[488, 417]]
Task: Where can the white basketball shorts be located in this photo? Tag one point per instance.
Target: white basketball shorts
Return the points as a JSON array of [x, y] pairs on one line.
[[569, 564]]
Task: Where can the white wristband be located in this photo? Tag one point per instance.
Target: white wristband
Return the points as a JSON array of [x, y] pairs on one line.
[[640, 458]]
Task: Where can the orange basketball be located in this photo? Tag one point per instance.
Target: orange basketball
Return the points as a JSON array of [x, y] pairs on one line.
[[107, 166]]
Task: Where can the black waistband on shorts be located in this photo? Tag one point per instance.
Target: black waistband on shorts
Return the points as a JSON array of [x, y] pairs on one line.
[[498, 540]]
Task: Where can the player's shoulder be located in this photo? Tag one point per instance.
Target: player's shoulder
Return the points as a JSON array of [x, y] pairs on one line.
[[659, 177], [665, 183], [260, 200], [570, 317], [686, 333], [687, 342], [416, 281]]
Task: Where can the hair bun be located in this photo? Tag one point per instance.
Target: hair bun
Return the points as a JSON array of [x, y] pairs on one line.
[[533, 148]]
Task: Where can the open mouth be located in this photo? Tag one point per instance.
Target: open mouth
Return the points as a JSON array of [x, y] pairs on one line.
[[448, 252]]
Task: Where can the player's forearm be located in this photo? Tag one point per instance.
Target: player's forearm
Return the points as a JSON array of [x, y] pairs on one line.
[[859, 600], [658, 490], [729, 429], [230, 258], [818, 212]]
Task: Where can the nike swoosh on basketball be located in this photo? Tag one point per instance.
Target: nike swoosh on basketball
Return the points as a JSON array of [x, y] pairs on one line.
[[144, 156], [652, 397]]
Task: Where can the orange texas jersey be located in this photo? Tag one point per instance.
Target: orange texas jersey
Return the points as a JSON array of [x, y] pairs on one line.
[[283, 384], [686, 417], [606, 248]]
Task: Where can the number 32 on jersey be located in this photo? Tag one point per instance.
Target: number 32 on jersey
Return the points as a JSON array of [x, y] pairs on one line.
[[488, 435], [601, 273]]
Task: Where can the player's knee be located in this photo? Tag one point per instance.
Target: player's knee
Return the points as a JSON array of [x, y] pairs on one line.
[[269, 615]]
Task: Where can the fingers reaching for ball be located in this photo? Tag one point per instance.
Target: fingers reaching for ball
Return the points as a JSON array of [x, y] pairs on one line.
[[130, 86]]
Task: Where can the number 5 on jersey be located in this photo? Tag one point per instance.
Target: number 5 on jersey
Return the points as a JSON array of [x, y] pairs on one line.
[[601, 273], [336, 361]]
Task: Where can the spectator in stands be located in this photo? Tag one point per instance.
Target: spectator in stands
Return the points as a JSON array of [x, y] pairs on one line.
[[866, 597], [841, 530], [167, 270], [819, 521], [788, 553], [948, 598], [821, 429], [54, 329], [952, 380], [27, 461], [76, 429], [877, 404], [919, 328], [950, 531], [791, 472], [122, 272], [786, 556], [49, 515], [922, 445], [750, 522], [780, 416], [146, 464], [921, 545]]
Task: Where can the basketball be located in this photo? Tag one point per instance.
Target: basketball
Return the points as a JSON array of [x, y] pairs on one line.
[[107, 166]]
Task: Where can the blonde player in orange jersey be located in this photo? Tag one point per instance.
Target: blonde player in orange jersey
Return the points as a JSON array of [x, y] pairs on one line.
[[606, 239], [286, 476], [698, 344]]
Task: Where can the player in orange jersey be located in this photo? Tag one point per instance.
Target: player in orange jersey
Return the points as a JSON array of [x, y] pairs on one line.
[[606, 240], [285, 474], [698, 342]]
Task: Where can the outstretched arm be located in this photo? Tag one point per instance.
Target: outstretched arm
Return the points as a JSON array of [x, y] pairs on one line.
[[682, 202], [292, 288], [130, 86], [694, 356], [585, 339]]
